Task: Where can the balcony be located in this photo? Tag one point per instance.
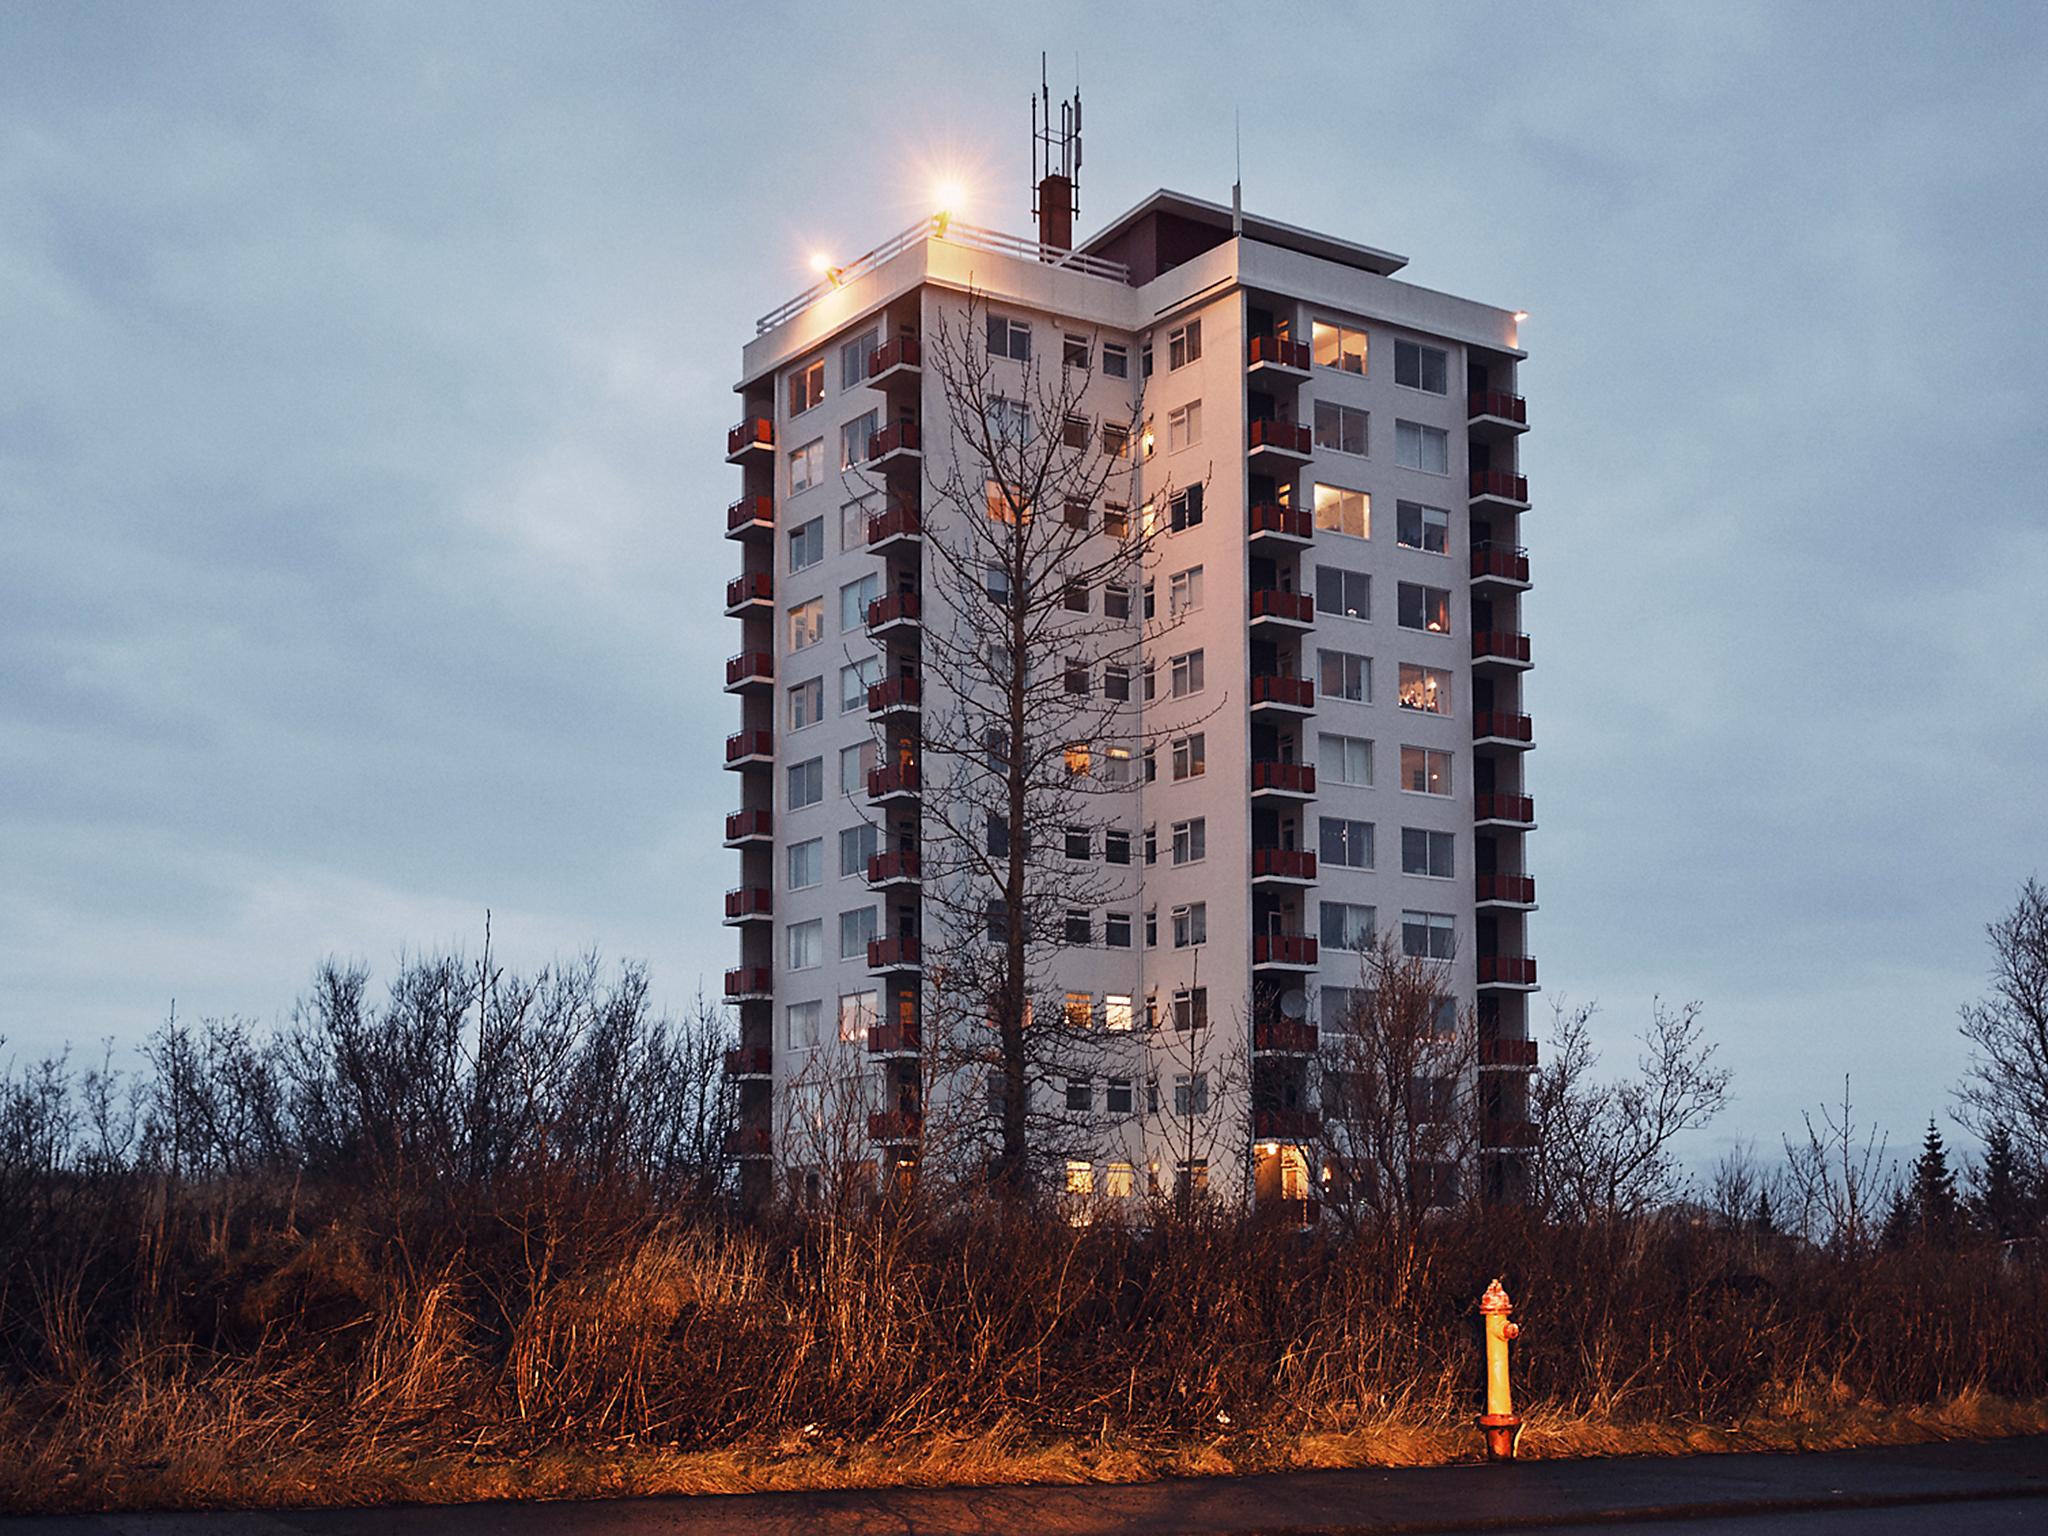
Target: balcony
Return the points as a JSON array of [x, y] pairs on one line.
[[1502, 565], [1500, 648], [1279, 441], [1506, 891], [1286, 1125], [1293, 866], [748, 982], [1294, 1210], [1512, 972], [754, 590], [894, 696], [895, 528], [895, 1126], [749, 904], [1498, 1135], [1283, 1037], [750, 749], [899, 611], [1496, 411], [1507, 1055], [1288, 781], [902, 867], [895, 1040], [750, 826], [749, 670], [902, 953], [897, 443], [1282, 609], [896, 360], [1275, 357], [1497, 728], [750, 1061], [1280, 525], [1497, 485], [1295, 695], [1504, 810], [1283, 951], [893, 781], [748, 1141], [752, 440], [751, 517]]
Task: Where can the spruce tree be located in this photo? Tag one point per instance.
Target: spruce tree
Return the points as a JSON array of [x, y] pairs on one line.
[[1936, 1209], [1999, 1199]]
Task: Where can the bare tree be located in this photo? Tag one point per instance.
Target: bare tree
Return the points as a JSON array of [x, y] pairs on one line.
[[2008, 1030], [1839, 1182]]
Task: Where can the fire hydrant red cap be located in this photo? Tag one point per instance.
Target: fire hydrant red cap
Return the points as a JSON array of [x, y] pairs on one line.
[[1495, 1299]]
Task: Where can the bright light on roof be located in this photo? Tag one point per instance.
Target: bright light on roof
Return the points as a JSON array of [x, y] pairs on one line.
[[820, 263], [949, 195]]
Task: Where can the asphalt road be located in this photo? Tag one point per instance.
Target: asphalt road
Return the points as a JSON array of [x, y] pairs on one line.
[[1993, 1487]]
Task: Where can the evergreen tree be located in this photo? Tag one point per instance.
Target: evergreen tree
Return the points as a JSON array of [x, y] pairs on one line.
[[1936, 1209], [1901, 1220], [1999, 1198], [1764, 1221]]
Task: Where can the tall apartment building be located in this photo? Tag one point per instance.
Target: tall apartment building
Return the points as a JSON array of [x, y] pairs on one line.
[[1356, 614]]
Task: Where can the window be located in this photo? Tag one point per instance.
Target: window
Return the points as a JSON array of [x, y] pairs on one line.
[[1344, 1009], [1190, 756], [1425, 772], [1338, 346], [1420, 527], [1074, 351], [1116, 440], [801, 1020], [1345, 675], [806, 703], [855, 929], [1184, 426], [1427, 853], [1079, 927], [1074, 597], [1009, 338], [1078, 759], [996, 582], [806, 465], [1344, 759], [806, 544], [806, 386], [1116, 765], [1116, 933], [1346, 844], [806, 623], [1185, 672], [854, 357], [1183, 345], [1425, 688], [1151, 845], [1116, 1007], [1429, 935], [996, 749], [806, 783], [1151, 927], [1191, 925], [1009, 420], [857, 1014], [1184, 508], [1426, 608], [1116, 681], [856, 846], [1340, 427], [1117, 1100], [1339, 510], [1116, 845], [856, 439], [854, 681], [1075, 432], [806, 863], [1145, 360], [996, 837], [1184, 591], [1080, 843], [1348, 594], [1116, 600], [1116, 360], [1149, 605], [1424, 448], [1420, 367], [1191, 1179], [1191, 1093], [806, 944], [1116, 521], [1191, 840], [1347, 926]]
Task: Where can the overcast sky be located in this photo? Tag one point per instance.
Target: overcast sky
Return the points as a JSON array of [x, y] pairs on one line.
[[364, 372]]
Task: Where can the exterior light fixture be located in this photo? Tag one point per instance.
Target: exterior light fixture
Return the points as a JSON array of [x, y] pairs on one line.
[[1521, 315]]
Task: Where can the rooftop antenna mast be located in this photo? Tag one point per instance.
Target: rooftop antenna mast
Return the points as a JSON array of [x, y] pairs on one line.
[[1055, 167], [1237, 186]]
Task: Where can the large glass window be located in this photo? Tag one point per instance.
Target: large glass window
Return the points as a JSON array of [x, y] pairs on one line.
[[854, 357], [1009, 338], [1340, 510], [1425, 688], [1419, 447], [1338, 346], [854, 682], [855, 929], [1425, 771], [1348, 594], [1344, 675], [1420, 367], [1344, 759], [1424, 852], [806, 544], [1341, 428], [806, 703], [856, 846], [806, 944], [806, 386], [856, 439], [854, 598], [1348, 926], [806, 623], [806, 465], [806, 863], [1425, 608], [806, 783], [1420, 527], [1183, 345], [857, 1014], [1345, 844], [1429, 935]]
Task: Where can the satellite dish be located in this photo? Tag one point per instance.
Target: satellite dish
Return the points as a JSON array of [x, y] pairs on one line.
[[1294, 1004]]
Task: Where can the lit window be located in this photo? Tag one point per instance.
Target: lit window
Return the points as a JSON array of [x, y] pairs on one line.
[[1341, 428], [1425, 688], [1425, 771], [1116, 440], [1338, 346], [1080, 1176], [1080, 1011], [1425, 608], [1116, 765], [806, 386], [857, 1014], [1420, 367], [1078, 759], [1424, 448], [1190, 756], [1348, 594], [806, 623], [1339, 510], [1420, 527], [1116, 1008]]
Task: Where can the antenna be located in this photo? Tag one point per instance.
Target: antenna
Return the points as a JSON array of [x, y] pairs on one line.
[[1237, 186], [1055, 163]]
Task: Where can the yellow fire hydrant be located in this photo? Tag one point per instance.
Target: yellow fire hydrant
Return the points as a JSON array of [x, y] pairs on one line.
[[1501, 1424]]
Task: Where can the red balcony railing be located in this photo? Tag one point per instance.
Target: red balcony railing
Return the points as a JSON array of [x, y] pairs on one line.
[[1278, 351], [893, 693], [898, 437], [893, 954], [754, 432], [749, 744], [1493, 722], [1269, 603], [1516, 888], [748, 823], [1285, 1124], [1289, 778], [1297, 692], [1269, 517], [1506, 1133], [895, 1125], [747, 1141], [747, 979], [903, 352], [899, 522], [1507, 644], [1283, 863], [901, 864], [892, 779], [894, 1039], [1517, 1055], [750, 1061], [1293, 1037], [1507, 970], [749, 509], [897, 605], [1498, 482], [1506, 562], [1291, 949], [749, 664], [1494, 402], [1504, 808], [749, 901], [1289, 436], [751, 587]]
